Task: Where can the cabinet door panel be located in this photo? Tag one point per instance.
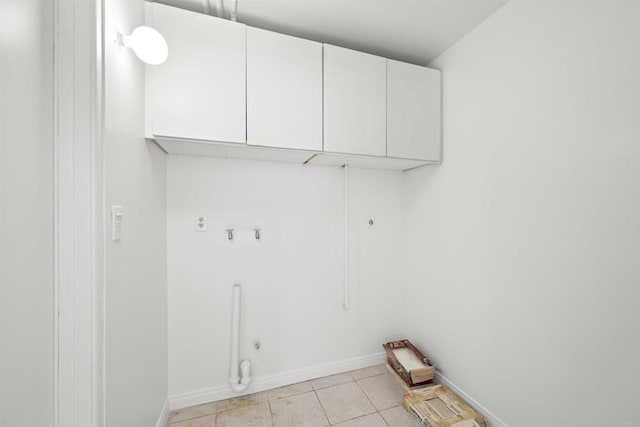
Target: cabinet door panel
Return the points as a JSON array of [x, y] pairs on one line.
[[199, 92], [284, 91], [413, 112], [354, 102]]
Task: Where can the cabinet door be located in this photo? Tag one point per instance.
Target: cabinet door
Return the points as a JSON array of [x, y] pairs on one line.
[[284, 91], [354, 102], [199, 92], [413, 111]]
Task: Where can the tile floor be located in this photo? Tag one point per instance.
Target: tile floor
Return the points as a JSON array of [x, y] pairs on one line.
[[368, 397]]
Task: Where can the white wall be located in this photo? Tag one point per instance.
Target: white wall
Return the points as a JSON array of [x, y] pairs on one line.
[[524, 244], [292, 279], [26, 214], [136, 292]]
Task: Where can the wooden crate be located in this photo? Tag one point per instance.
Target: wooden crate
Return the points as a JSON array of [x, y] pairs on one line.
[[437, 406], [415, 372]]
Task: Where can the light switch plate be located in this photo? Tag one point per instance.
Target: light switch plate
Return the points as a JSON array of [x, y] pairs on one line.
[[117, 219]]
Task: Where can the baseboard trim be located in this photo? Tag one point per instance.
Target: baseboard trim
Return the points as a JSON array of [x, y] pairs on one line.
[[272, 381], [492, 419], [163, 419]]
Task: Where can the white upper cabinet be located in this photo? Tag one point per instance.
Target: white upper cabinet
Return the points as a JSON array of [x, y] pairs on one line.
[[413, 112], [354, 102], [228, 90], [284, 91], [199, 92]]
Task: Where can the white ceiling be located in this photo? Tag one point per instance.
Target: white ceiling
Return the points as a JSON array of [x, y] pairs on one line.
[[416, 31]]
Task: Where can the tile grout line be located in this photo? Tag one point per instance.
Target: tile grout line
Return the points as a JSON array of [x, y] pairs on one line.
[[322, 407], [291, 395], [323, 410], [299, 394], [384, 420], [270, 409], [365, 395], [353, 380], [192, 418], [335, 385]]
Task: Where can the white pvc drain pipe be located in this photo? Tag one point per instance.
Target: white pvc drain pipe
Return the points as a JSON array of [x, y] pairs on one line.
[[239, 372]]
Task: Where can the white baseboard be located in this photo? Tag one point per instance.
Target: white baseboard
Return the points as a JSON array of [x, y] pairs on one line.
[[492, 419], [164, 415], [272, 381]]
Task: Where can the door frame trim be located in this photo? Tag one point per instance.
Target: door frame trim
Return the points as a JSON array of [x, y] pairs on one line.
[[78, 214]]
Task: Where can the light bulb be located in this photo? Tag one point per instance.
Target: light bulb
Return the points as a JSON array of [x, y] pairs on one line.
[[148, 45]]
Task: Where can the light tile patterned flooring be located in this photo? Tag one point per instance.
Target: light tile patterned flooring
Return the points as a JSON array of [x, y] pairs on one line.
[[368, 397]]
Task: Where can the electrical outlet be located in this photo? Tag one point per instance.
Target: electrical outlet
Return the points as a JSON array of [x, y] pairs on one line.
[[200, 224]]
